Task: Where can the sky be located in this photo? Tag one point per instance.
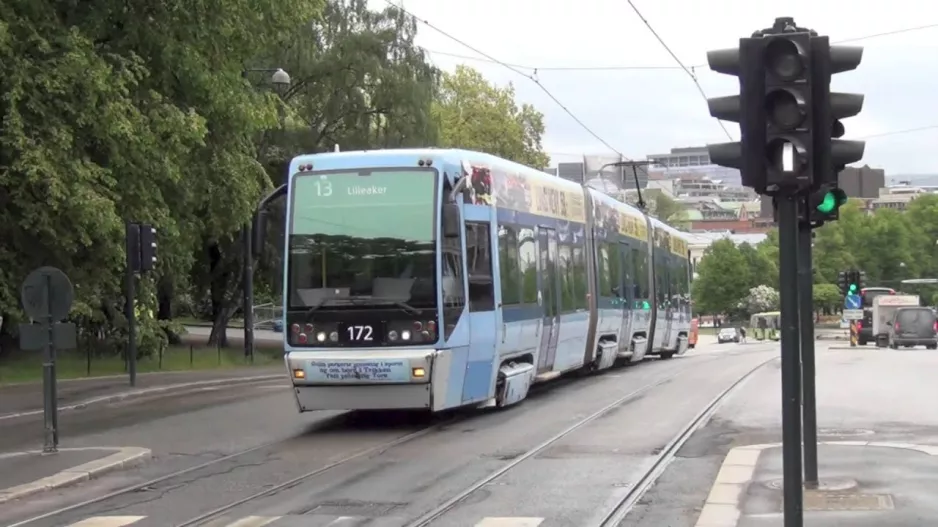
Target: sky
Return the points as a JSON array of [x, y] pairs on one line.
[[639, 101]]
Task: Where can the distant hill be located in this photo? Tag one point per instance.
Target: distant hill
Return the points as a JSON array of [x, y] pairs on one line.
[[916, 180]]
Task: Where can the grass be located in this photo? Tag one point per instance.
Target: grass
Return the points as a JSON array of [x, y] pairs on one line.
[[27, 367]]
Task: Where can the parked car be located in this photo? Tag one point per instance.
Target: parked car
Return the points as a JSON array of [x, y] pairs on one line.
[[913, 326], [728, 335]]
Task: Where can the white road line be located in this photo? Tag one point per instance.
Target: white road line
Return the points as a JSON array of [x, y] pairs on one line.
[[108, 521], [510, 522], [255, 521], [344, 520]]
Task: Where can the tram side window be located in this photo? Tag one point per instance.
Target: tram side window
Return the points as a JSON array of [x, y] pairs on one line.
[[527, 263], [565, 270], [479, 265], [661, 277], [579, 277], [640, 265], [603, 271], [508, 265], [685, 283]]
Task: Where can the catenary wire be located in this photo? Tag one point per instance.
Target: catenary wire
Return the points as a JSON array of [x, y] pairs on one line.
[[531, 76], [674, 56], [623, 67]]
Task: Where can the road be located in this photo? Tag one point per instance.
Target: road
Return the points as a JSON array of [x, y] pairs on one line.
[[236, 335], [570, 481]]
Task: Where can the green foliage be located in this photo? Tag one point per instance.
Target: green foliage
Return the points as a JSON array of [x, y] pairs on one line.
[[151, 111], [477, 115], [889, 245]]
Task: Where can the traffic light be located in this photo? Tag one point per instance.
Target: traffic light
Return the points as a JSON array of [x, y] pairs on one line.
[[843, 282], [831, 153], [147, 247], [861, 280], [853, 283], [824, 205], [788, 106], [746, 109]]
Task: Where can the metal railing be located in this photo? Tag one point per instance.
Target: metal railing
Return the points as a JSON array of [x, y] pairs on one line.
[[267, 316]]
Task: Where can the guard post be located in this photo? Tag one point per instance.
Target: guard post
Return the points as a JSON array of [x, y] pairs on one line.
[[47, 297], [853, 311]]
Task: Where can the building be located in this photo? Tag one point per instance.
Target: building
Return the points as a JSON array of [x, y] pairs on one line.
[[698, 156]]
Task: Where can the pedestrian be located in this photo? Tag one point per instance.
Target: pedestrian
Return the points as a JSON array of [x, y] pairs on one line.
[[742, 335]]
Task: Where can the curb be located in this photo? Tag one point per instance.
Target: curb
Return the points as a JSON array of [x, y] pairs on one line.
[[722, 508], [128, 395], [124, 458]]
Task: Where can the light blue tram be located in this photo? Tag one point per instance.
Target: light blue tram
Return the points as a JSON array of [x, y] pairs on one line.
[[434, 279]]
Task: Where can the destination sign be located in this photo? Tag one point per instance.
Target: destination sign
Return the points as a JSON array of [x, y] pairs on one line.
[[359, 371]]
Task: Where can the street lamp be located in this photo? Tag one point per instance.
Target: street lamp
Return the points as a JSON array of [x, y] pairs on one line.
[[279, 78], [281, 82]]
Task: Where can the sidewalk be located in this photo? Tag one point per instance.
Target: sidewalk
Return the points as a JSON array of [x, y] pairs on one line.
[[863, 484], [17, 399], [878, 452], [23, 474]]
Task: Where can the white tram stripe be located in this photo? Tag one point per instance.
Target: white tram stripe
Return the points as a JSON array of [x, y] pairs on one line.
[[108, 521], [510, 522], [254, 521]]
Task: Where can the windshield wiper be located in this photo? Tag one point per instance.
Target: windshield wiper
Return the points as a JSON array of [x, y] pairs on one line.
[[363, 301]]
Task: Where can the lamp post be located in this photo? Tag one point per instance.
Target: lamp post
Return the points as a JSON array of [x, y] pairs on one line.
[[280, 80]]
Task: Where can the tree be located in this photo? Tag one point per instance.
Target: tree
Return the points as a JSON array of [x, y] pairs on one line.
[[669, 211], [477, 115], [718, 287], [827, 298], [761, 269], [759, 300]]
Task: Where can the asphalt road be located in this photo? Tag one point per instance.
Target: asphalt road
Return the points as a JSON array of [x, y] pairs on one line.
[[863, 395], [568, 483]]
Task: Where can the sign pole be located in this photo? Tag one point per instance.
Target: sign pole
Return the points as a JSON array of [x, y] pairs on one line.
[[853, 333], [792, 490], [47, 297], [808, 389]]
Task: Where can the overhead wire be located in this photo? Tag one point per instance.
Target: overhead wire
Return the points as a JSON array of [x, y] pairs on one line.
[[514, 68], [624, 67], [674, 56]]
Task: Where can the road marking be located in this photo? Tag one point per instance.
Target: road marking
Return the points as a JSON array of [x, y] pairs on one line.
[[510, 522], [345, 520], [255, 521], [108, 521]]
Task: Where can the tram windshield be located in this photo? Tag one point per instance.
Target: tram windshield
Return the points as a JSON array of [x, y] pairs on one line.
[[363, 238]]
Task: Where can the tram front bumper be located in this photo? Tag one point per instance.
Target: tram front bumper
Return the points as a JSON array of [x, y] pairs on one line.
[[367, 379]]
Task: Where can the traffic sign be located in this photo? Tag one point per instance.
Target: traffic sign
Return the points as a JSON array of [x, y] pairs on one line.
[[47, 292], [853, 314], [853, 302]]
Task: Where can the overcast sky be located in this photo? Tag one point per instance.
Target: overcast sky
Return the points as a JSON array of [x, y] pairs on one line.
[[645, 111]]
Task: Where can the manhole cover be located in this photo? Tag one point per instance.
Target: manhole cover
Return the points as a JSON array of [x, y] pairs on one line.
[[842, 501], [824, 485], [844, 432]]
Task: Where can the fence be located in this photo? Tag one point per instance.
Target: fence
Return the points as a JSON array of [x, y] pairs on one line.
[[268, 316]]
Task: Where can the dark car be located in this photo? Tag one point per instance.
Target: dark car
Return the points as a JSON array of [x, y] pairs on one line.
[[728, 335], [913, 326]]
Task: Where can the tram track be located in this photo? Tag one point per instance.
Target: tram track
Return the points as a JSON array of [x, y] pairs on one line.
[[379, 449], [642, 484]]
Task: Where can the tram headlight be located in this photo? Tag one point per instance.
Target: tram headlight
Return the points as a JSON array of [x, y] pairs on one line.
[[334, 336], [321, 336], [405, 334], [392, 335]]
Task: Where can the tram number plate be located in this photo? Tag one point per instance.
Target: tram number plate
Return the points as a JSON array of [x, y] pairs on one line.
[[358, 333]]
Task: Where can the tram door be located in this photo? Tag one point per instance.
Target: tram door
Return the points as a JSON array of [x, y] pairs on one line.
[[549, 296], [626, 294]]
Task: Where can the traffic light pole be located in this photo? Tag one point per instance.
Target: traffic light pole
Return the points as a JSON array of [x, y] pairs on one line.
[[793, 496], [808, 392]]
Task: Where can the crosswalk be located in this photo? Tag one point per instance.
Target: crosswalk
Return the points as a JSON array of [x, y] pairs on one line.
[[274, 521]]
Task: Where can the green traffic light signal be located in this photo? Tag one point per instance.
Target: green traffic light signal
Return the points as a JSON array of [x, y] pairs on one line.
[[853, 289], [828, 204]]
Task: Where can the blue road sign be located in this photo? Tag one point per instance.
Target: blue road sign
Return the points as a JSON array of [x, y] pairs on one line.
[[853, 302]]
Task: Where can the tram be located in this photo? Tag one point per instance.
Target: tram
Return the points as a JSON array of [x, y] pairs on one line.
[[438, 278]]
